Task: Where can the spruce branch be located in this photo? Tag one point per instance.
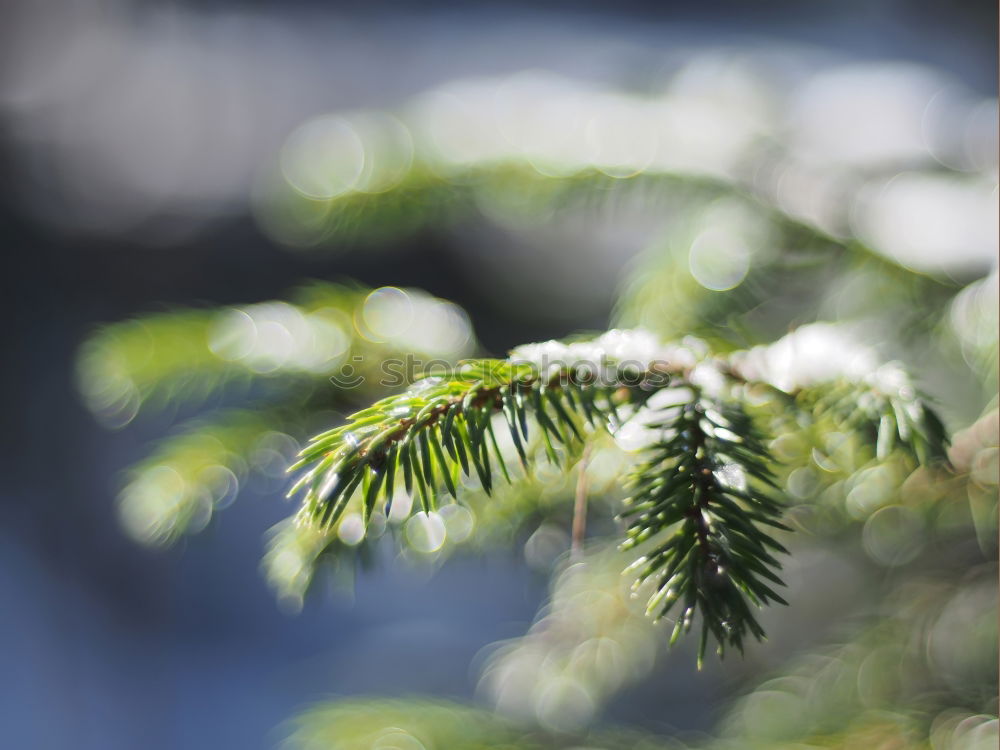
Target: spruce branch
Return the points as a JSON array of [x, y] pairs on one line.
[[702, 505], [445, 428], [887, 416], [830, 373], [280, 356], [277, 347], [195, 472], [701, 495], [699, 501]]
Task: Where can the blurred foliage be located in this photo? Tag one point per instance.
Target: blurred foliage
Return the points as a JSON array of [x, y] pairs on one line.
[[819, 261], [520, 148], [590, 641], [420, 724], [733, 271], [292, 361]]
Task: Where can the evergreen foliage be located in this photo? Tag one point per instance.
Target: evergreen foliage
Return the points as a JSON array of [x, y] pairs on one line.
[[701, 496]]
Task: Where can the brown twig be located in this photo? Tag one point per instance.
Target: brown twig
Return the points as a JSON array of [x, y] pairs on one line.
[[580, 507]]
